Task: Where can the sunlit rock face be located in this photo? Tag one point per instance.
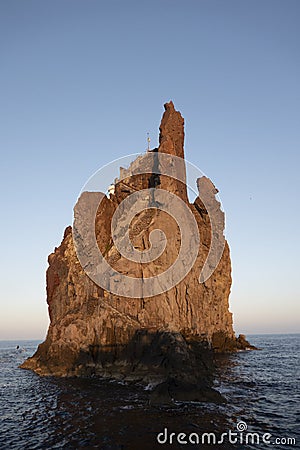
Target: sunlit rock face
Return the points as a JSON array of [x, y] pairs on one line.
[[93, 331]]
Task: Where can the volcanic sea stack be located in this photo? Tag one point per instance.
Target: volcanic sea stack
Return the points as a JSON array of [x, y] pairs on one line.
[[151, 338]]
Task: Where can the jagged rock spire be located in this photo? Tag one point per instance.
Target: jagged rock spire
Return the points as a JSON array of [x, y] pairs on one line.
[[171, 137]]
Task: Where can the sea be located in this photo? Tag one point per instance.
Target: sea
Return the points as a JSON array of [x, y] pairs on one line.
[[261, 389]]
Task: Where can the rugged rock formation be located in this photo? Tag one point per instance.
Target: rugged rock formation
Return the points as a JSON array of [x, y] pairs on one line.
[[154, 338]]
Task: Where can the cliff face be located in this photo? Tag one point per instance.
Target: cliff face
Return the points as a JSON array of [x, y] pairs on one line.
[[93, 330]]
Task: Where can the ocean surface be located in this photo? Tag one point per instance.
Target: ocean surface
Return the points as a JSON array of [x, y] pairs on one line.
[[262, 409]]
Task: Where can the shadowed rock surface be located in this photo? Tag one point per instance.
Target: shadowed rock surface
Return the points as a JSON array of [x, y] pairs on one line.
[[166, 339]]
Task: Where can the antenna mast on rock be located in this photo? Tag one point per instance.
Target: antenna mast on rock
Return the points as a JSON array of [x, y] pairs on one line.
[[148, 140]]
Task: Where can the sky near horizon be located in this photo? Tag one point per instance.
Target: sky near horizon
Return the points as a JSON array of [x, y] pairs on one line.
[[81, 85]]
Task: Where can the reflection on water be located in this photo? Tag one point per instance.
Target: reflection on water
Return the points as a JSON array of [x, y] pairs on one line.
[[46, 413]]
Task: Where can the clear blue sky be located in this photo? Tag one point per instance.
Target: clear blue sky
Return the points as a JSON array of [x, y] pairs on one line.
[[82, 82]]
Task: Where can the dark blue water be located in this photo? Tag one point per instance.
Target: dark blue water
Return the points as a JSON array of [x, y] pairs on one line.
[[261, 387]]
